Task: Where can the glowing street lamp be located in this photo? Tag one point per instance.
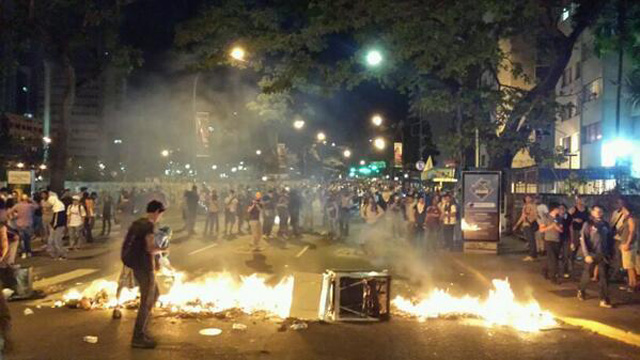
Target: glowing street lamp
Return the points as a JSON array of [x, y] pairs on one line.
[[376, 120], [43, 167], [20, 165], [258, 152], [238, 53], [298, 124], [379, 143], [362, 162], [374, 58], [321, 136], [46, 140], [347, 153], [164, 153]]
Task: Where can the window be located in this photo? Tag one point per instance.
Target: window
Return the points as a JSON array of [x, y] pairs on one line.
[[566, 77], [591, 91], [586, 51], [565, 142], [591, 133], [578, 71]]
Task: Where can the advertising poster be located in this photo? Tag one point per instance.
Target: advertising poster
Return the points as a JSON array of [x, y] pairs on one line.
[[203, 132], [481, 206], [397, 154]]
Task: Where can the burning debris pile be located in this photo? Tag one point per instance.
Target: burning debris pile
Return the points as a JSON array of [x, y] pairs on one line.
[[209, 295], [499, 308]]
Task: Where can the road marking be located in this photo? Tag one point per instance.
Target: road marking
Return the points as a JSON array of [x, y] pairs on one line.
[[74, 274], [624, 336], [304, 250], [203, 249]]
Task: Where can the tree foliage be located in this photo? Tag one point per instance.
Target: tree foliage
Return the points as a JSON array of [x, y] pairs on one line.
[[444, 55]]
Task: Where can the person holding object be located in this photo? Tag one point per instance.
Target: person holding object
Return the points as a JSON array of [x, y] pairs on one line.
[[529, 225], [552, 229], [253, 213], [138, 253], [597, 246]]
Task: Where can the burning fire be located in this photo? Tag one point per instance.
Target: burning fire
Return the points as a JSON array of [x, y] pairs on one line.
[[499, 308], [211, 293]]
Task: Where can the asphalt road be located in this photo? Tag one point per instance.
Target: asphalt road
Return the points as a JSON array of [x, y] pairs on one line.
[[58, 333]]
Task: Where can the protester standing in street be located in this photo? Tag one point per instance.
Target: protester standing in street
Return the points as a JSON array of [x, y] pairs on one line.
[[346, 201], [625, 236], [22, 213], [107, 211], [88, 202], [529, 225], [76, 216], [253, 214], [410, 216], [432, 224], [333, 218], [295, 203], [268, 213], [421, 222], [551, 228], [231, 213], [579, 216], [597, 246], [58, 226], [449, 220], [138, 253], [192, 199], [211, 225], [282, 208]]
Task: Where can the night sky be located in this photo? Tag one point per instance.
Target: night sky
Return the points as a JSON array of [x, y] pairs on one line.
[[149, 25]]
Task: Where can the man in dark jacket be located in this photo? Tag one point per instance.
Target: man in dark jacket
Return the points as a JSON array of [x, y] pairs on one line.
[[597, 245]]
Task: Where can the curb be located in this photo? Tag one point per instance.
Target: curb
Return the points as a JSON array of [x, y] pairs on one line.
[[599, 328]]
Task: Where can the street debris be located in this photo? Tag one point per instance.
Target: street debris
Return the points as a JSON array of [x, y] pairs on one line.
[[28, 311], [210, 332], [299, 326], [90, 339], [239, 327]]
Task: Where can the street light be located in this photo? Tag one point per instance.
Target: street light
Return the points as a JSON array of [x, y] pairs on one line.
[[43, 167], [46, 140], [374, 58], [164, 153], [321, 136], [376, 120], [347, 153], [238, 53], [20, 165], [362, 162], [379, 143], [298, 124], [258, 152]]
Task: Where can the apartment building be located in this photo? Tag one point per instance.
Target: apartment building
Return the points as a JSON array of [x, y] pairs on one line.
[[586, 128]]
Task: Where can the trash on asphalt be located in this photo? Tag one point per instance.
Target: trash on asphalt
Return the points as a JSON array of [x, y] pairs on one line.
[[28, 311], [239, 327], [210, 332], [6, 292], [299, 326], [90, 339]]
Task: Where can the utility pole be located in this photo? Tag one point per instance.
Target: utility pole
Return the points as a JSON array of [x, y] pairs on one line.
[[621, 39]]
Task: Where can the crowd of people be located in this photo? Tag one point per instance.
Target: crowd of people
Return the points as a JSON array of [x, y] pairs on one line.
[[426, 219], [566, 234]]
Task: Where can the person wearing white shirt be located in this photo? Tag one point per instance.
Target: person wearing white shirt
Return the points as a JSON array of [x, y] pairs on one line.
[[76, 215]]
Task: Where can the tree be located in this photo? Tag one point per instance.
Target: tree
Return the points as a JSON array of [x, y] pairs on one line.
[[71, 33], [437, 52]]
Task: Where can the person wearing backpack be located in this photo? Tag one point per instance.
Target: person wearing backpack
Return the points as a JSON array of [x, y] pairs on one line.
[[138, 253]]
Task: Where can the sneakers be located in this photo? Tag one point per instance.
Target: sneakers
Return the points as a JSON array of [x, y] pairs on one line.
[[581, 295], [529, 258], [605, 304], [143, 343]]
